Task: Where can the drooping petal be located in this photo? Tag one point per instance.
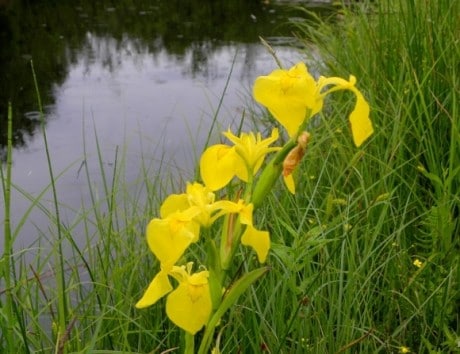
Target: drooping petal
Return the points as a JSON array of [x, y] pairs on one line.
[[289, 112], [217, 166], [290, 183], [338, 83], [190, 305], [184, 221], [258, 240], [361, 125], [158, 288]]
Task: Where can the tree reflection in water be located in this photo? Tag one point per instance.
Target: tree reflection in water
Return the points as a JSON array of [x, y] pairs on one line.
[[58, 34]]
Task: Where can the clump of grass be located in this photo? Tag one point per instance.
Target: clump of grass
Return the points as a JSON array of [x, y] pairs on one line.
[[73, 288], [8, 322], [366, 216]]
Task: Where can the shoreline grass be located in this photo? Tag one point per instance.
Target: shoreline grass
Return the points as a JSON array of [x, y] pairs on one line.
[[344, 274]]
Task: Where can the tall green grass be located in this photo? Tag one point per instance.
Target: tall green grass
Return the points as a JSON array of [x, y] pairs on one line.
[[342, 277], [73, 288], [377, 210]]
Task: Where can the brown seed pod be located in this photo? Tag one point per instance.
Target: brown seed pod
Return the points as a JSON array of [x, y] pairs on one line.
[[292, 160], [294, 156]]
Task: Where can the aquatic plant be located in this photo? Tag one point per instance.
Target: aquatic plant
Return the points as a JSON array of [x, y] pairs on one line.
[[231, 189]]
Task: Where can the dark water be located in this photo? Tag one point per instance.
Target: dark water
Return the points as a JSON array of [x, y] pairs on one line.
[[146, 77]]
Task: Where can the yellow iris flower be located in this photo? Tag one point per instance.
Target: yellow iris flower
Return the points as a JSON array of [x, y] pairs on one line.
[[199, 201], [198, 197], [290, 94], [189, 305], [183, 214], [220, 163], [169, 238]]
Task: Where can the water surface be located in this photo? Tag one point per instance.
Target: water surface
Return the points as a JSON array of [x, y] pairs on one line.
[[127, 83]]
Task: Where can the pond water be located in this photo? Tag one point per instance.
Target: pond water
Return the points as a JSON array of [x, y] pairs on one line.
[[126, 82]]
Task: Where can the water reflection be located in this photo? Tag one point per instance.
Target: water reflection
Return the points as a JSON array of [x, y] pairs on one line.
[[55, 35]]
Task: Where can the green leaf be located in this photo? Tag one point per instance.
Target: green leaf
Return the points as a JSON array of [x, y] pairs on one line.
[[229, 299]]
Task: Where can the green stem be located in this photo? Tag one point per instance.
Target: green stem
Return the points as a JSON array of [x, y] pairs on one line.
[[273, 170], [189, 343], [61, 283], [7, 236], [219, 105], [231, 230], [230, 243], [270, 174], [216, 275]]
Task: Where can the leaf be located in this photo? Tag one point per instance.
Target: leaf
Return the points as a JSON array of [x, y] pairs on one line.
[[229, 299]]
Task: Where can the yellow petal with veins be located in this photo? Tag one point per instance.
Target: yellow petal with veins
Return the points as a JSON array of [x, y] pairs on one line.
[[190, 305]]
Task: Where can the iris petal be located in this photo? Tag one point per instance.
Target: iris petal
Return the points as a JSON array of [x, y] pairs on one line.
[[217, 166], [289, 111], [190, 305], [250, 150], [361, 125], [258, 240], [290, 183], [173, 203], [169, 238], [158, 288], [288, 94]]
